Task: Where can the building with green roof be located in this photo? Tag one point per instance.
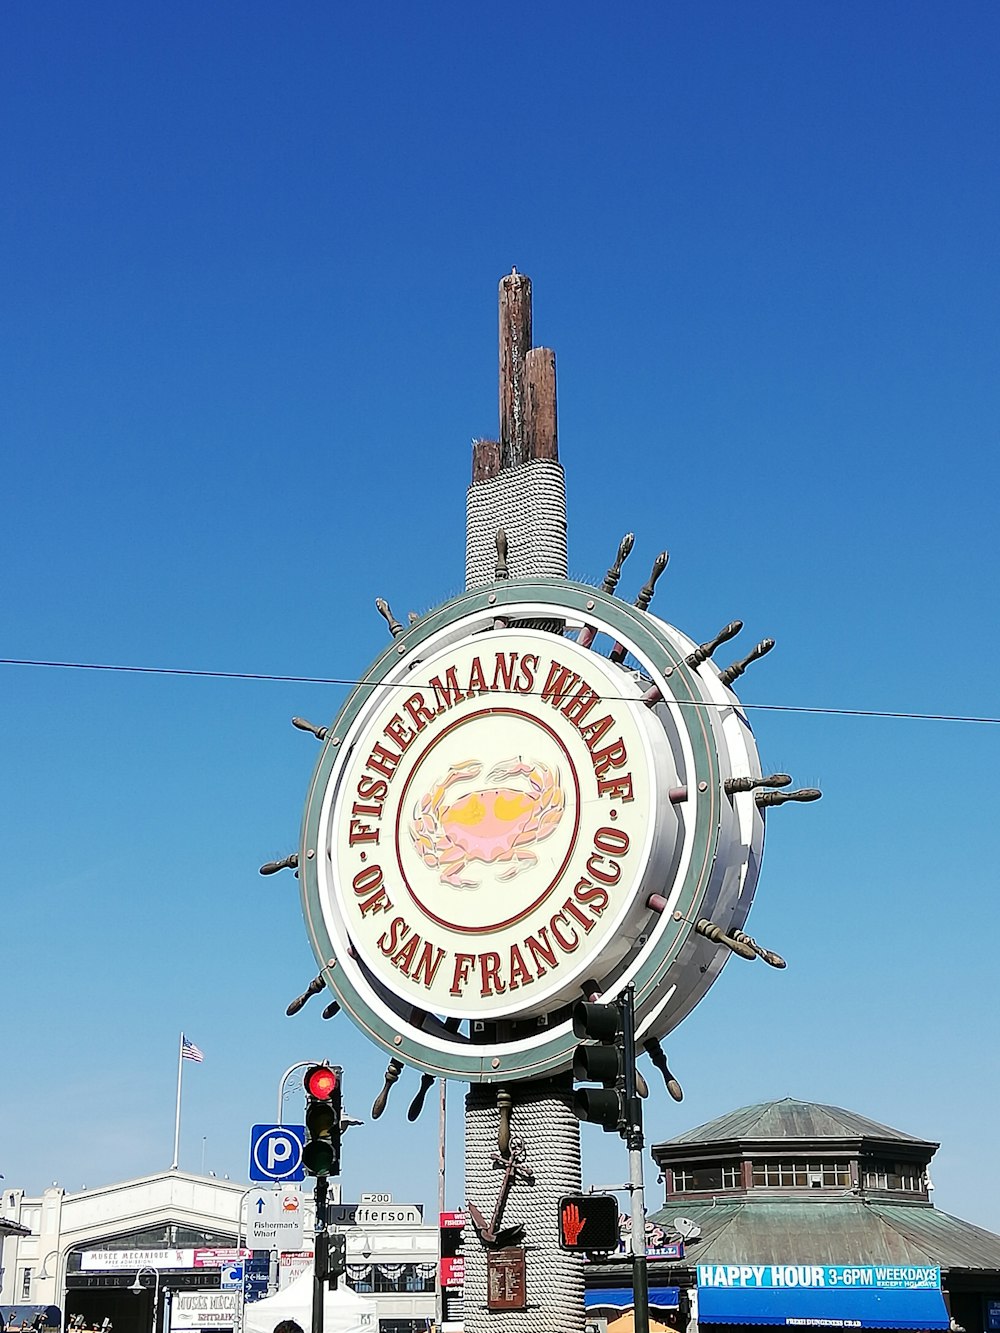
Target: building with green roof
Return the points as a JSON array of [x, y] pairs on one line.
[[814, 1190]]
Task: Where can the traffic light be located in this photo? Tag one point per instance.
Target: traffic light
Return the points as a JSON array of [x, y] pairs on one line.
[[321, 1154], [588, 1222], [333, 1262], [603, 1063]]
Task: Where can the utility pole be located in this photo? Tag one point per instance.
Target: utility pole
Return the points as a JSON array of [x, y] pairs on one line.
[[320, 1244], [634, 1141]]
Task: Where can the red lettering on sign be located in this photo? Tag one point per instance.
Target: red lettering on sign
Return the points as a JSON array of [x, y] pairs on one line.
[[489, 967], [460, 977], [541, 947], [526, 675], [568, 943], [383, 761], [620, 787], [613, 756], [503, 671], [446, 694], [418, 711], [427, 964], [389, 940]]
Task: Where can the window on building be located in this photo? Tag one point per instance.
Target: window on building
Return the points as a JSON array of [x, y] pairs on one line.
[[801, 1175], [701, 1178], [883, 1175], [25, 1284], [386, 1278]]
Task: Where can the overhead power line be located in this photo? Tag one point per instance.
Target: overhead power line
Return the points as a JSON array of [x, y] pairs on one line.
[[411, 685]]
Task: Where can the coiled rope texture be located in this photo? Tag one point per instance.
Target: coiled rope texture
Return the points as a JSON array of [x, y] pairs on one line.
[[529, 503], [542, 1117]]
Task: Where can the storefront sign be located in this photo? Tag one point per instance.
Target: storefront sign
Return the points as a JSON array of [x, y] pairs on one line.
[[203, 1309], [451, 1277], [453, 1271], [218, 1258], [116, 1260], [883, 1277], [292, 1265]]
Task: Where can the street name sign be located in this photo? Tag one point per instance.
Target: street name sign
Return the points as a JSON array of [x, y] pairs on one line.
[[375, 1215]]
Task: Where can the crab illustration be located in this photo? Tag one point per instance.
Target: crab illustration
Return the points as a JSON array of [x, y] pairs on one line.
[[491, 825]]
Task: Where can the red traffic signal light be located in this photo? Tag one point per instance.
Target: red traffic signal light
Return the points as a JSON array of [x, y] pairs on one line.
[[321, 1153], [588, 1222], [320, 1082]]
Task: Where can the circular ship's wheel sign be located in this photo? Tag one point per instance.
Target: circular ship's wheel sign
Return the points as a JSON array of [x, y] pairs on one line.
[[493, 810]]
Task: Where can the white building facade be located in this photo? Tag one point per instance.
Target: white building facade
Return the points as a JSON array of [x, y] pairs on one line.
[[145, 1253]]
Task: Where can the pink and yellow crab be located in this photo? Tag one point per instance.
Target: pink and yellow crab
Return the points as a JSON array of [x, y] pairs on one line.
[[495, 824]]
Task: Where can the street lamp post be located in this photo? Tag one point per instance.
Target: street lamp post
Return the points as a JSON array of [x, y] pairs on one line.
[[300, 1064], [137, 1288], [44, 1276]]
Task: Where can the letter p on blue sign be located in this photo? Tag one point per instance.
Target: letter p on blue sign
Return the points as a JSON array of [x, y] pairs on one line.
[[276, 1152]]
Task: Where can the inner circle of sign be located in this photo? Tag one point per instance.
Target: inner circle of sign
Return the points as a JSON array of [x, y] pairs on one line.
[[513, 914]]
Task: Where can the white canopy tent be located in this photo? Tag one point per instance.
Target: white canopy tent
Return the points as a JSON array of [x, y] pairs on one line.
[[343, 1310]]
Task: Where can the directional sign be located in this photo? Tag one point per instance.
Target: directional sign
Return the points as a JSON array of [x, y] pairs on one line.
[[231, 1277], [274, 1220], [276, 1152], [258, 1271]]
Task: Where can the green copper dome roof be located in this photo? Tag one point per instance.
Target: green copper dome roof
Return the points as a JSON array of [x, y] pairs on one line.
[[792, 1119], [831, 1232]]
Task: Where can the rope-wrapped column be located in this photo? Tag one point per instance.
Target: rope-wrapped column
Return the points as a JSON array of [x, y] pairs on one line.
[[542, 1120], [529, 504], [518, 487]]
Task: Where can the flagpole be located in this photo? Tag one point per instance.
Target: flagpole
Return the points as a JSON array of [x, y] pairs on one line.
[[177, 1117]]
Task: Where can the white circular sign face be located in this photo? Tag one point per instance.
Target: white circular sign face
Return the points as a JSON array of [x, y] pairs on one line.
[[494, 824]]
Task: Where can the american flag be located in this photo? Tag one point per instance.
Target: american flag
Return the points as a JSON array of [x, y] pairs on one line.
[[189, 1051]]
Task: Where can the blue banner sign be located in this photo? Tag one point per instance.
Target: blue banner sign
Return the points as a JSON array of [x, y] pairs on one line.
[[883, 1277]]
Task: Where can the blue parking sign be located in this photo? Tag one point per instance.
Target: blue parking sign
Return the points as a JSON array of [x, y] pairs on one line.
[[276, 1152]]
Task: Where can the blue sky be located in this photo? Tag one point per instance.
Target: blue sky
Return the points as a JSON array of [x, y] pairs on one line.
[[250, 256]]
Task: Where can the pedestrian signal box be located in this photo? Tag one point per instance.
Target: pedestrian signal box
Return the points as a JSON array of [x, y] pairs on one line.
[[588, 1222]]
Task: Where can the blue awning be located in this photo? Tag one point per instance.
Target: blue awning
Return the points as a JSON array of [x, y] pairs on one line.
[[622, 1298], [862, 1307]]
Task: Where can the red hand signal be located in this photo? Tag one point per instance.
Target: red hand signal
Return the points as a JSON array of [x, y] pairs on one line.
[[572, 1223]]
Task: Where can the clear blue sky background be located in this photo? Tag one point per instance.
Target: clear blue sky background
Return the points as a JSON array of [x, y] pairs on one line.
[[250, 256]]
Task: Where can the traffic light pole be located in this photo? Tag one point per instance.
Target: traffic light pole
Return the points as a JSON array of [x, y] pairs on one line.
[[633, 1138], [320, 1243]]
